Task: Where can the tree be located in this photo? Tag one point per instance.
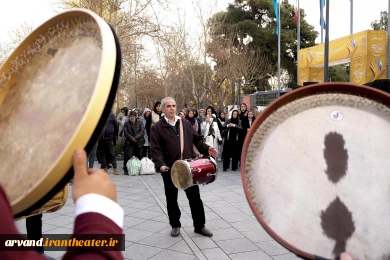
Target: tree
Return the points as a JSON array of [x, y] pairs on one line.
[[4, 53], [17, 35], [131, 20], [256, 18], [187, 63], [339, 73], [149, 86], [382, 24]]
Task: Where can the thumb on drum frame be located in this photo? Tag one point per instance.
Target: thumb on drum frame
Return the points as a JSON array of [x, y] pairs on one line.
[[79, 162]]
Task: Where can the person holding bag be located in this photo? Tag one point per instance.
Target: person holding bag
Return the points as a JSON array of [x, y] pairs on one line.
[[134, 134]]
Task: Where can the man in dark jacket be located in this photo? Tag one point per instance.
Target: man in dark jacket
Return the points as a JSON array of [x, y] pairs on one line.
[[106, 143], [134, 134], [165, 150]]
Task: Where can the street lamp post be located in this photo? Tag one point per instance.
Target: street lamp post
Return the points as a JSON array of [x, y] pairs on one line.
[[136, 47], [239, 91], [135, 79]]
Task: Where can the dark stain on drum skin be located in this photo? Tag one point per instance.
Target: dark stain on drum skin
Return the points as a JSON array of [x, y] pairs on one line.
[[337, 223], [336, 156], [336, 220]]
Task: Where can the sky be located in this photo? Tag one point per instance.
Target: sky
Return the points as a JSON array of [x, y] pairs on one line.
[[15, 12]]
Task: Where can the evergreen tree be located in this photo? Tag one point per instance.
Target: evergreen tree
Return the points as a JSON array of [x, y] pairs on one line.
[[382, 24], [256, 19]]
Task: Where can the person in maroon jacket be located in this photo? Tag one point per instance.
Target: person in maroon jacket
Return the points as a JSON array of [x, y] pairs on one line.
[[96, 210], [165, 150]]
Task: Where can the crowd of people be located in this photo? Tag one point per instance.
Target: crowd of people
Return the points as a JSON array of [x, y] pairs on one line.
[[155, 134], [223, 130], [161, 134]]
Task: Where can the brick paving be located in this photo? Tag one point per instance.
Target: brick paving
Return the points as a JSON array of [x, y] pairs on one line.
[[237, 233]]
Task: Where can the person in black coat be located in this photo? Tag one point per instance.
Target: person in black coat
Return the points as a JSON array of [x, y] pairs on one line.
[[243, 116], [134, 134], [165, 150], [231, 130], [106, 143]]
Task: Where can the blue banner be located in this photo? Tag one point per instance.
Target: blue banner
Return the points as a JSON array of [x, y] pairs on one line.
[[322, 19], [276, 15]]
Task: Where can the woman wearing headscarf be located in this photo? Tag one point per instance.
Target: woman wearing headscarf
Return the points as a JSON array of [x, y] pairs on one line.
[[192, 119], [195, 113], [221, 118], [233, 128], [200, 118], [154, 117], [251, 119], [145, 116], [243, 116], [182, 115], [210, 129], [211, 111]]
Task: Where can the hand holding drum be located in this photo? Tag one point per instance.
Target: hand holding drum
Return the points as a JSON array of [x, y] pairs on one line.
[[89, 181]]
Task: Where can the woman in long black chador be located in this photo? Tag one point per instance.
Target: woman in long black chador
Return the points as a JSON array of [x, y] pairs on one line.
[[232, 128]]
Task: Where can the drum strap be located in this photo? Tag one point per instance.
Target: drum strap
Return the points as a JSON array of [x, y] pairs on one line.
[[182, 143]]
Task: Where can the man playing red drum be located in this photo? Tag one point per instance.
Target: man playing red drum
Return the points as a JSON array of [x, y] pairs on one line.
[[165, 150]]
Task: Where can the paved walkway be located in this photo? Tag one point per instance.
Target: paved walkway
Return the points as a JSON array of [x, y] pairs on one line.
[[237, 234]]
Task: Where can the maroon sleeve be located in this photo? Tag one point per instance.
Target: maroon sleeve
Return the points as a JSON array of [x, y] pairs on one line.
[[7, 226], [88, 223], [94, 223]]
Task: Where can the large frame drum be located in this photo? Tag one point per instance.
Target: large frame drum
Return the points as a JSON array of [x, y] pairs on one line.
[[316, 171], [56, 92]]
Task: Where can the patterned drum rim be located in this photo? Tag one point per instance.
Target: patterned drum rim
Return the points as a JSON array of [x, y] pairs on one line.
[[253, 141]]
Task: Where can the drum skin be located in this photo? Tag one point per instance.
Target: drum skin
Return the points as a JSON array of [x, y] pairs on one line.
[[54, 89], [186, 173], [181, 174], [315, 171]]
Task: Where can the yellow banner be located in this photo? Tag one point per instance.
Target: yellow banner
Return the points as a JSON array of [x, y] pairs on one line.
[[365, 51]]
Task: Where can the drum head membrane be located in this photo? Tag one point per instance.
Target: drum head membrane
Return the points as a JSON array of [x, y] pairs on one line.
[[180, 175], [317, 171], [44, 94]]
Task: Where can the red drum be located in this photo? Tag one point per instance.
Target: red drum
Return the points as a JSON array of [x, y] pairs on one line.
[[186, 173], [315, 169]]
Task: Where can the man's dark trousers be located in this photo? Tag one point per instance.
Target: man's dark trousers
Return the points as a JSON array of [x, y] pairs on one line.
[[34, 229], [193, 195]]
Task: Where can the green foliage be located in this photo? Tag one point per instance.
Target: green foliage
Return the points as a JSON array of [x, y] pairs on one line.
[[382, 24], [257, 19], [339, 73], [250, 88], [118, 150]]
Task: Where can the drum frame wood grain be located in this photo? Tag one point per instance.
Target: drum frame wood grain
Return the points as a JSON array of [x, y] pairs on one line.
[[93, 120], [344, 88]]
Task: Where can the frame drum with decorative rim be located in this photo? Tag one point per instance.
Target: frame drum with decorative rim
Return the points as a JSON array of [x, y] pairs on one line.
[[315, 170], [57, 89]]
